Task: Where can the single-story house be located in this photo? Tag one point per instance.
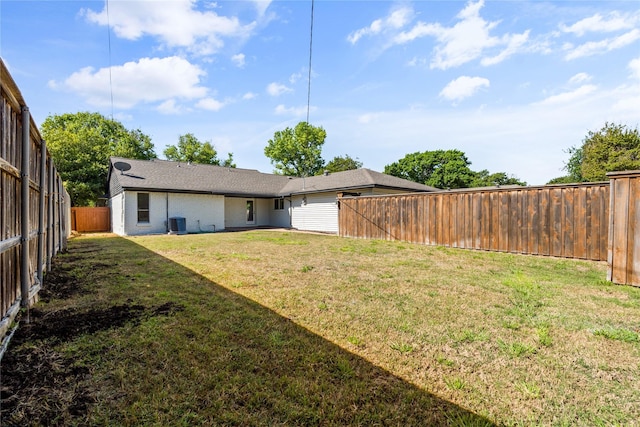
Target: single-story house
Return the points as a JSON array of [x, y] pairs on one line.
[[153, 196]]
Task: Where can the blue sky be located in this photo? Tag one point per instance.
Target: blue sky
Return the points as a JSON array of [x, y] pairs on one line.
[[513, 84]]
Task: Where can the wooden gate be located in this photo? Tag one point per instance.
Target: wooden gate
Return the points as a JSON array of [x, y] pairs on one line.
[[85, 219]]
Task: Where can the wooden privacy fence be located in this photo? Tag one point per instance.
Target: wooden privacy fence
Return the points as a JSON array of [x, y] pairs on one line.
[[85, 219], [569, 221], [34, 210], [624, 225]]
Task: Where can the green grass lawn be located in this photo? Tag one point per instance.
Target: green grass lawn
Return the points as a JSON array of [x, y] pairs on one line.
[[284, 328]]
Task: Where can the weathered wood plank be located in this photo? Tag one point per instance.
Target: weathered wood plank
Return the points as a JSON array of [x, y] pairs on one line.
[[556, 217], [633, 231], [620, 217]]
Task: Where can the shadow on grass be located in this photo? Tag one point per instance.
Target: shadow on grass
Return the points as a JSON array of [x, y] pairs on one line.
[[142, 340]]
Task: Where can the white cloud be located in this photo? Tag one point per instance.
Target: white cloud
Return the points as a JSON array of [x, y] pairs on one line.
[[629, 98], [398, 18], [368, 117], [249, 95], [603, 46], [261, 6], [567, 97], [419, 30], [463, 87], [467, 40], [210, 104], [277, 89], [514, 44], [634, 66], [597, 23], [417, 62], [293, 78], [169, 107], [147, 80], [175, 23], [580, 78], [238, 60], [292, 111]]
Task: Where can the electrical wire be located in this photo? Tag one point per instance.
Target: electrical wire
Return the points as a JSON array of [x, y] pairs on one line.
[[110, 65], [310, 55]]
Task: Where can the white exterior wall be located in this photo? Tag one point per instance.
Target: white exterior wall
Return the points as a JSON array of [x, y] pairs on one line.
[[235, 212], [320, 213], [280, 217], [261, 210], [201, 212]]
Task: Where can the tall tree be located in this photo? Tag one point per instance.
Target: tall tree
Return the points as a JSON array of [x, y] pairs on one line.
[[613, 148], [190, 149], [486, 179], [446, 169], [339, 164], [439, 168], [297, 151], [81, 145]]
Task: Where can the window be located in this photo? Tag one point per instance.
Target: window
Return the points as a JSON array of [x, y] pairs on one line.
[[143, 207], [278, 204]]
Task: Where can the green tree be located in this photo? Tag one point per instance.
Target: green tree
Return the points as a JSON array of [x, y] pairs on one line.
[[191, 150], [297, 151], [439, 168], [446, 169], [612, 148], [81, 145], [339, 164], [486, 179]]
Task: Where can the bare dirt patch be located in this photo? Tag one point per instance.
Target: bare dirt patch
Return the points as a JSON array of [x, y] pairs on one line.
[[39, 384]]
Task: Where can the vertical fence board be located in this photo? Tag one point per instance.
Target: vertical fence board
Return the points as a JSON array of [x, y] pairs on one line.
[[503, 225], [633, 245], [580, 224], [545, 223], [591, 223], [556, 218]]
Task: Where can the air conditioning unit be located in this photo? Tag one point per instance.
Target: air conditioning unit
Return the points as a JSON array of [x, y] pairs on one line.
[[177, 225]]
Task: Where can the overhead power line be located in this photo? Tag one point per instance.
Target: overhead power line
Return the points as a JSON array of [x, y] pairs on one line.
[[310, 55], [109, 38]]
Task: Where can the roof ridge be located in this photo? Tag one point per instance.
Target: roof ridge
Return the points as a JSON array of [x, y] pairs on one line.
[[370, 175]]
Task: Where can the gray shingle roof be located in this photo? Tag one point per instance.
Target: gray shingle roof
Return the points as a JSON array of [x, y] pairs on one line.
[[352, 179], [163, 175]]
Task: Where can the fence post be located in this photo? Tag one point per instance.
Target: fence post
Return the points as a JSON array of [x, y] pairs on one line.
[[50, 215], [25, 280], [43, 170]]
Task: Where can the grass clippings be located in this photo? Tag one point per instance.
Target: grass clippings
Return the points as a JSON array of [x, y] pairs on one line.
[[284, 328]]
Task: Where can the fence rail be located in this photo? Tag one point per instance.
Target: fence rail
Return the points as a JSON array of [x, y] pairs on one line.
[[570, 221], [34, 211]]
